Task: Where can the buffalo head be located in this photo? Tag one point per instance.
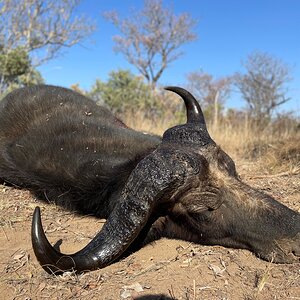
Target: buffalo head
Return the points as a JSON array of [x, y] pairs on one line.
[[186, 188]]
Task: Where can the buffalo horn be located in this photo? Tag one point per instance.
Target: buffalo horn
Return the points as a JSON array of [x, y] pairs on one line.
[[124, 224], [193, 109]]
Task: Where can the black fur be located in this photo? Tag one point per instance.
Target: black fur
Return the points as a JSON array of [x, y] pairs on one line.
[[67, 149]]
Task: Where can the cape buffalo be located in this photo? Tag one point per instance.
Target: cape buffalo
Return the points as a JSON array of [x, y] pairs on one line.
[[64, 147]]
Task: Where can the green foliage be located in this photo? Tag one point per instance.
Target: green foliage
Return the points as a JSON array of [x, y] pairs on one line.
[[16, 70], [14, 62], [31, 77], [123, 92]]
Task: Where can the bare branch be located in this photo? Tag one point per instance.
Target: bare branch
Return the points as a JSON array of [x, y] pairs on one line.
[[150, 38], [205, 87], [41, 27], [263, 86]]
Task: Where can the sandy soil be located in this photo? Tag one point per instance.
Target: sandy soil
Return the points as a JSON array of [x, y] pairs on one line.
[[167, 269]]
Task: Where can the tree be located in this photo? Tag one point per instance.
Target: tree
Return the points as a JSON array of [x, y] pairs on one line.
[[16, 70], [41, 27], [123, 92], [211, 93], [151, 38], [14, 62], [263, 86]]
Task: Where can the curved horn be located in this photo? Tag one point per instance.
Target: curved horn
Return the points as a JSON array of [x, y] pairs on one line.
[[149, 181], [193, 109]]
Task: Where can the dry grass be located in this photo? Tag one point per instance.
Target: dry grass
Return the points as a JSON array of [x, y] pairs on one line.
[[275, 151]]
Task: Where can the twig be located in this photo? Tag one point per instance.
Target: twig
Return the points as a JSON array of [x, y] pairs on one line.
[[171, 292], [5, 234], [194, 286]]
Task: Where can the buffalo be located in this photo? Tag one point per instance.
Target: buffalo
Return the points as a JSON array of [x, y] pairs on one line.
[[65, 148]]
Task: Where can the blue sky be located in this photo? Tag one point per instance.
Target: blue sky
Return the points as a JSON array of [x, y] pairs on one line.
[[227, 32]]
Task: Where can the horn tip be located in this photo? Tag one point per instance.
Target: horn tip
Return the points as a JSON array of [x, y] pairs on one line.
[[37, 210], [36, 218], [171, 88], [37, 227]]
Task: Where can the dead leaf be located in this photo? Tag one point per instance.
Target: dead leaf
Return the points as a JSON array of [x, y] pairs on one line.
[[131, 289], [217, 270], [126, 294], [19, 256], [135, 286]]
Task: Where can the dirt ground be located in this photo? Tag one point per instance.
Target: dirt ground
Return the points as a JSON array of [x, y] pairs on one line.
[[167, 269]]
